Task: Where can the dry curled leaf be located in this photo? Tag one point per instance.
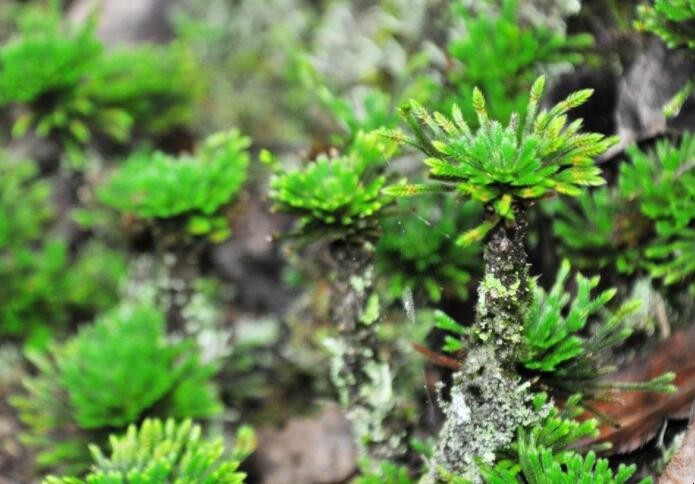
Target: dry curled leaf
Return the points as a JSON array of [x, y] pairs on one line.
[[639, 415]]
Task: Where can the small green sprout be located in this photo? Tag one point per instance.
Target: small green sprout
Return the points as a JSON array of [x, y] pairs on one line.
[[111, 374]]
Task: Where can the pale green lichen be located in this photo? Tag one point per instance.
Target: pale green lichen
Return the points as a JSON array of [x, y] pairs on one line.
[[503, 294], [368, 398], [488, 401], [487, 405], [371, 311], [360, 369]]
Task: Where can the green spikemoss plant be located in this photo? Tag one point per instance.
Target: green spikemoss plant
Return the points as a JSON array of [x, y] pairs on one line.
[[186, 189], [601, 229], [159, 451], [183, 201], [527, 51], [111, 374], [672, 20], [338, 200], [645, 220], [45, 283], [506, 169]]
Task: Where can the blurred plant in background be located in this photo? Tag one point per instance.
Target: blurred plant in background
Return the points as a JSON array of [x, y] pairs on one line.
[[66, 86], [418, 252], [46, 284], [111, 374], [495, 50], [158, 187], [641, 223]]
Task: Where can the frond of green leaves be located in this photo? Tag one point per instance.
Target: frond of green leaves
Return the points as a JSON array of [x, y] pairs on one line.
[[541, 454], [43, 70], [645, 222], [503, 167], [46, 58], [599, 230], [537, 464], [418, 251], [663, 183], [672, 20], [504, 69], [158, 186], [159, 451], [553, 342], [157, 86], [113, 373], [341, 193], [44, 284]]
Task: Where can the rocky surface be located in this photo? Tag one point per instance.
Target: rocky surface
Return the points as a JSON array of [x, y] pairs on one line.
[[310, 450], [127, 21]]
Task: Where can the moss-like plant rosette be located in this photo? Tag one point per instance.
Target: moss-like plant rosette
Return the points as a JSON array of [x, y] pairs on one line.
[[159, 186], [337, 191]]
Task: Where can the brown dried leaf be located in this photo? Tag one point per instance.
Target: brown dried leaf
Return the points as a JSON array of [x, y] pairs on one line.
[[640, 414]]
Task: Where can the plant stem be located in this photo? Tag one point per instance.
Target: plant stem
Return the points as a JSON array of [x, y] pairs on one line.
[[360, 367], [177, 257], [488, 401], [504, 294]]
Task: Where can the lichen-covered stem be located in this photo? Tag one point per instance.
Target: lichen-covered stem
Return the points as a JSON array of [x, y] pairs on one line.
[[360, 368], [504, 293], [177, 257], [488, 400]]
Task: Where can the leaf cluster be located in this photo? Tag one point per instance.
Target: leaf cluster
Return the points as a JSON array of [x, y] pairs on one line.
[[70, 87], [157, 186], [336, 193], [537, 464], [555, 344], [672, 20], [44, 282], [600, 230], [541, 455], [503, 167], [663, 183], [502, 56], [417, 251], [644, 222], [159, 451], [111, 374]]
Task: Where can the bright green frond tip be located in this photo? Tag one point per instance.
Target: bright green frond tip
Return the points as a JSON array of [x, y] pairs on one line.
[[672, 20], [159, 186], [538, 464], [159, 452], [501, 166], [342, 191], [554, 345]]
